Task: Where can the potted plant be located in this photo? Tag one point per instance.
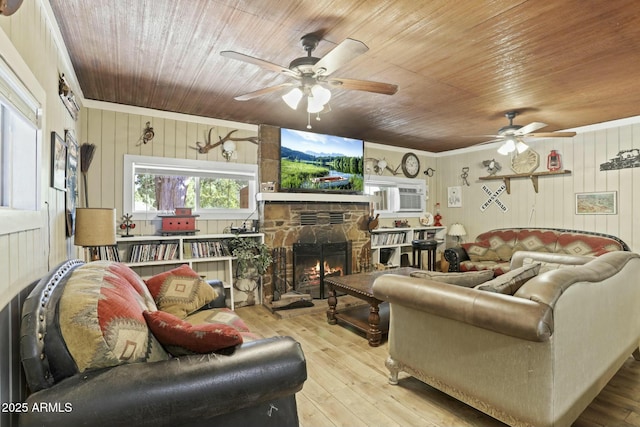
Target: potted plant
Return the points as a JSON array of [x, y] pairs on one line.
[[253, 260]]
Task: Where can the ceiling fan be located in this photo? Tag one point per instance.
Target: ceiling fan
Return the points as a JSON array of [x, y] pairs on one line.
[[513, 135], [313, 74]]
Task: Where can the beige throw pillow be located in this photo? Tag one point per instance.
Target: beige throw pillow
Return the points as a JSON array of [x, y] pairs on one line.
[[510, 282], [468, 279]]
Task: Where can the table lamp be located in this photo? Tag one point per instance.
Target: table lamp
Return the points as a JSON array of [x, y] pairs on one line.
[[457, 230], [95, 227]]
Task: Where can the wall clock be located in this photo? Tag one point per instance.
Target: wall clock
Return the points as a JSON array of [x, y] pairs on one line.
[[525, 162], [410, 165]]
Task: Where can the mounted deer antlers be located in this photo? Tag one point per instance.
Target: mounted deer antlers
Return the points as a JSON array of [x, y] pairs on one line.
[[204, 148]]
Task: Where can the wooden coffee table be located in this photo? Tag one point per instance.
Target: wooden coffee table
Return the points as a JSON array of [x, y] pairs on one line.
[[373, 319]]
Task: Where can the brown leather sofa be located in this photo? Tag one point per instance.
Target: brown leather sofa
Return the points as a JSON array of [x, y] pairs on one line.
[[534, 358]]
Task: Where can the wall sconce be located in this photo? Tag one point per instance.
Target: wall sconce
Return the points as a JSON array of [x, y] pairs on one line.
[[228, 150], [95, 227]]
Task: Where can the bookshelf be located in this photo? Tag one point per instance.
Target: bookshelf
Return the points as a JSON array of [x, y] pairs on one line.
[[395, 242], [208, 255]]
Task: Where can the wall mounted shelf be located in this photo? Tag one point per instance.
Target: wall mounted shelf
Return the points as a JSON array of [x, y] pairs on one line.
[[533, 176]]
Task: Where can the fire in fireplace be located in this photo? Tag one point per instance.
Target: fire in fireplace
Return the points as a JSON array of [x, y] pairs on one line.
[[312, 262]]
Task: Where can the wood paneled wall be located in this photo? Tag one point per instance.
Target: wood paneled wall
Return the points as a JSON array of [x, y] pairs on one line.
[[116, 133], [554, 204]]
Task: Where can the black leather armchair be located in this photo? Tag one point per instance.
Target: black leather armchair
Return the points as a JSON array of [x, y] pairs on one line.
[[454, 257], [253, 385]]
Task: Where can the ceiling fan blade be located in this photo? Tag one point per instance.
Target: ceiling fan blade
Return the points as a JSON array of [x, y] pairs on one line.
[[531, 127], [364, 85], [259, 62], [341, 54], [263, 91], [552, 135]]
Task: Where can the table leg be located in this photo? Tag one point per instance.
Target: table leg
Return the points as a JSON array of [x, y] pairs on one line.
[[333, 301], [374, 335]]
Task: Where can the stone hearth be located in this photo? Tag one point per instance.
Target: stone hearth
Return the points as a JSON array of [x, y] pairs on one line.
[[286, 223]]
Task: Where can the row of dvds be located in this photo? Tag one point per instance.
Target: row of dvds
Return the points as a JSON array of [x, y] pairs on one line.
[[146, 252], [206, 249]]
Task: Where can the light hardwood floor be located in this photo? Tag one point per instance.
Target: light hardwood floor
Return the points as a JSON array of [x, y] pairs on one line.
[[347, 383]]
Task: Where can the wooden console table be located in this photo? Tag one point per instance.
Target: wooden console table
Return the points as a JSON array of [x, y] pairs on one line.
[[373, 319]]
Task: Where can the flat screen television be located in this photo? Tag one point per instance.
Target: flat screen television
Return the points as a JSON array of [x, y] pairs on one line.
[[312, 162]]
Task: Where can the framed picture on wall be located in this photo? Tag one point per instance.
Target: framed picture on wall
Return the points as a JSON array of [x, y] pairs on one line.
[[454, 197], [58, 162], [72, 181], [601, 203]]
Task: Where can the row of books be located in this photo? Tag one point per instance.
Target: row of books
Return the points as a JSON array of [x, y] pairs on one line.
[[109, 253], [384, 239], [145, 252], [206, 249]]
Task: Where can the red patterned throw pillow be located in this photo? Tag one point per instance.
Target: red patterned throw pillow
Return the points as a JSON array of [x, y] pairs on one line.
[[180, 337], [180, 291]]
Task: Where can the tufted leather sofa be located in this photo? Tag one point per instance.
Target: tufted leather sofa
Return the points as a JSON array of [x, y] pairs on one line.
[[492, 250], [252, 384], [534, 358]]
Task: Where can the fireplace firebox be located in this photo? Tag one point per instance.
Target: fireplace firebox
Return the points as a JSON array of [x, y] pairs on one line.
[[312, 262]]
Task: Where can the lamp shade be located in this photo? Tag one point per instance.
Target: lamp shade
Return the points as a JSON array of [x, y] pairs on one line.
[[293, 97], [95, 227], [457, 230]]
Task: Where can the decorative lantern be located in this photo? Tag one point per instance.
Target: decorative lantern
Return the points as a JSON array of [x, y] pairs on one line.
[[554, 162]]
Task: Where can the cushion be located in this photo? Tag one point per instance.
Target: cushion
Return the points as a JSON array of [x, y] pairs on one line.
[[180, 337], [547, 266], [468, 279], [501, 241], [180, 291], [481, 251], [510, 282], [101, 320]]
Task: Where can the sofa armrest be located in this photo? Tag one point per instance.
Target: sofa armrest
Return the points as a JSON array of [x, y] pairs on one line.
[[179, 391], [517, 317], [455, 256]]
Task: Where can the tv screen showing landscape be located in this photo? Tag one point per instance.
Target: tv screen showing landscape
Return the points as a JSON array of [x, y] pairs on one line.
[[311, 162]]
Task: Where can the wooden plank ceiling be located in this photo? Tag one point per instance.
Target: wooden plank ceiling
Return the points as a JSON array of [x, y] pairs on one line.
[[459, 65]]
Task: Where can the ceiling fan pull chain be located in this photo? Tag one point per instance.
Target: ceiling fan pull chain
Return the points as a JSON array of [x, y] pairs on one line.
[[308, 120]]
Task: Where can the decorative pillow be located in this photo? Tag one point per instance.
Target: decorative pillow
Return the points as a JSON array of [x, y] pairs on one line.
[[510, 282], [180, 337], [468, 279], [180, 291], [481, 251], [218, 315], [100, 316]]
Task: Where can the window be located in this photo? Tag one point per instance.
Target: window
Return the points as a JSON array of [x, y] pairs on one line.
[[214, 190], [20, 154]]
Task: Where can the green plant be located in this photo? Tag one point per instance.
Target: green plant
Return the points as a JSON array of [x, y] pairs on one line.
[[252, 256]]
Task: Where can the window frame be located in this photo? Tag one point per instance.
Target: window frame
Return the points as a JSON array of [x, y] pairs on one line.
[[191, 168], [23, 97]]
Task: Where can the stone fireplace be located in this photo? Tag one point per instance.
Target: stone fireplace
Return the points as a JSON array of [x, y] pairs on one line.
[[319, 226]]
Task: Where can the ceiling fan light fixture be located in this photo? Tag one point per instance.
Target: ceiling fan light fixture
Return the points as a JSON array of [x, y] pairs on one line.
[[322, 94], [521, 147], [293, 97], [508, 147]]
